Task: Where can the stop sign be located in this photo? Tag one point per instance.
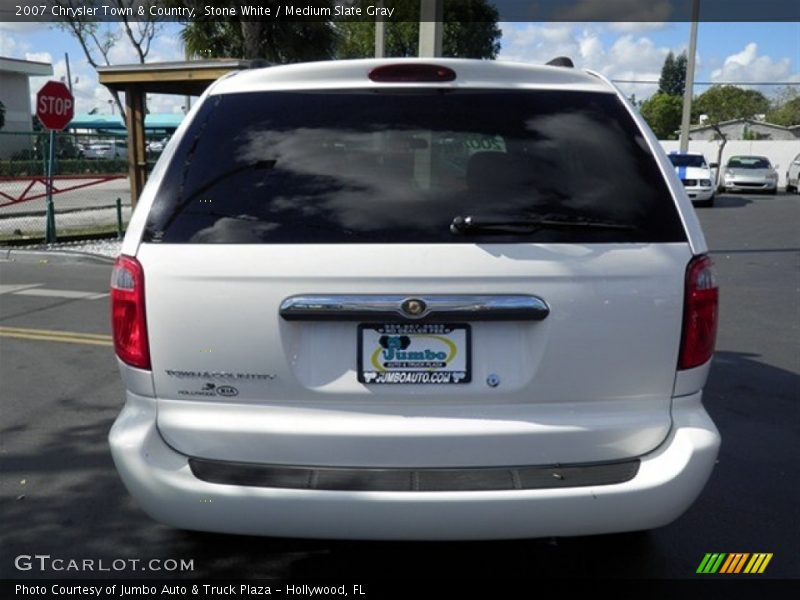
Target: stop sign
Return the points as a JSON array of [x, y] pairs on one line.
[[55, 106]]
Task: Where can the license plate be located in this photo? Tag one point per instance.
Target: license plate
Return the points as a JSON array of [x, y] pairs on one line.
[[415, 353]]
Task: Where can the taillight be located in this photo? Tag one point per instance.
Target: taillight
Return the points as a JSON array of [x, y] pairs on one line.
[[700, 313], [412, 73], [128, 320]]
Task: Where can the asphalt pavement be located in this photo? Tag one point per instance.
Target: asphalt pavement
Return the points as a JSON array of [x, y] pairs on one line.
[[61, 392]]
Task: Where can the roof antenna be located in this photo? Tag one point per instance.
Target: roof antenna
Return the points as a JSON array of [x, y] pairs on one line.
[[561, 61]]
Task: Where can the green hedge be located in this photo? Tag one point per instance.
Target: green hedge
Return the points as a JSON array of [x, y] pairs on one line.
[[78, 166]]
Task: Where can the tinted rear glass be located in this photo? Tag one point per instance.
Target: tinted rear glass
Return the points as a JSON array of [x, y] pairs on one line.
[[687, 160], [378, 167]]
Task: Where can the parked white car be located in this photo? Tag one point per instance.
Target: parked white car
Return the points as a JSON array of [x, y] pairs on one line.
[[793, 176], [157, 146], [107, 150], [414, 299], [696, 176]]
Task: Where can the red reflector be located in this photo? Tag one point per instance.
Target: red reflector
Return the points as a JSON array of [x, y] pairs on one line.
[[128, 322], [700, 314], [412, 73]]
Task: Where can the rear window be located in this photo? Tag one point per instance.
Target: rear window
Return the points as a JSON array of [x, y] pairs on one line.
[[687, 160], [399, 167]]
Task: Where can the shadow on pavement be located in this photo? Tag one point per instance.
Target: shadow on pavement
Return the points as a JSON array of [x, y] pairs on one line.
[[731, 201]]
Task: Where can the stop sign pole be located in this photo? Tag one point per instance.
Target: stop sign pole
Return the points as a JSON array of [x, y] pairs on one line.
[[55, 107]]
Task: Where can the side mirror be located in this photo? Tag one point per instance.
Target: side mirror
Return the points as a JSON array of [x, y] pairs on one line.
[[714, 165], [776, 167]]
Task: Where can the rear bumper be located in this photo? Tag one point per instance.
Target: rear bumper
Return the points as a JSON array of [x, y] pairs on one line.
[[669, 479]]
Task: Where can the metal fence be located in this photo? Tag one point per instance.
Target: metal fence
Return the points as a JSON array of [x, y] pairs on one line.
[[89, 192]]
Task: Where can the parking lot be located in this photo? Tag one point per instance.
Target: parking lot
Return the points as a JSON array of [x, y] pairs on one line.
[[61, 392]]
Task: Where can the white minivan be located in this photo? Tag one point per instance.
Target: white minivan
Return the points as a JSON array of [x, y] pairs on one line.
[[428, 299]]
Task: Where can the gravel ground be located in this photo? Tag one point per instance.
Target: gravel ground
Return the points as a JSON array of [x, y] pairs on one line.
[[107, 248]]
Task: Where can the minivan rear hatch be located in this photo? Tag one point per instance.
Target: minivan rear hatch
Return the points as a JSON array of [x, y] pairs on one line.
[[415, 278]]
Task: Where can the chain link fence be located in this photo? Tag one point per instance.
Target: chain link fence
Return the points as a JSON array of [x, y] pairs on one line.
[[90, 190]]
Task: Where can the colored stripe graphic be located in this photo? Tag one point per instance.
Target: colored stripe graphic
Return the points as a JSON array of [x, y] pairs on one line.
[[734, 562], [711, 562], [703, 563], [732, 558], [741, 562], [682, 173], [758, 563]]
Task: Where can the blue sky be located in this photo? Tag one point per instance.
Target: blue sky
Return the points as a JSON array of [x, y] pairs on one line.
[[726, 52]]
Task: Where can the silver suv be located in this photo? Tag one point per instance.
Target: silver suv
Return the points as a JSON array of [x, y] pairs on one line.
[[414, 299]]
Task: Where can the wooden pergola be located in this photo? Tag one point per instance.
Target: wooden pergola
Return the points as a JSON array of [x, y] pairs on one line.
[[189, 78]]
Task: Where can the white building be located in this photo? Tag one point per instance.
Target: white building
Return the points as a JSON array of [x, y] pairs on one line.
[[745, 129], [15, 94]]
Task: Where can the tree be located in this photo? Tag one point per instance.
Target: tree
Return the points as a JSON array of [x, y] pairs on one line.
[[723, 140], [275, 40], [663, 113], [787, 115], [785, 107], [673, 75], [727, 102], [470, 31], [97, 39]]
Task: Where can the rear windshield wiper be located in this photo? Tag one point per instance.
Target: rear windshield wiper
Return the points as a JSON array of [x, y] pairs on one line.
[[470, 224]]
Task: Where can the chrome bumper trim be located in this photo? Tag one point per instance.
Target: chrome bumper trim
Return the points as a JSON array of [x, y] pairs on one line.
[[427, 308]]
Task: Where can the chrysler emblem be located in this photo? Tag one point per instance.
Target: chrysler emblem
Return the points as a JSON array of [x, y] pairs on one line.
[[413, 307]]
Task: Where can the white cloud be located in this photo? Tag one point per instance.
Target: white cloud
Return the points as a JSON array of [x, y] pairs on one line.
[[44, 57], [638, 26], [640, 55], [748, 65], [538, 43], [88, 92], [11, 47], [162, 103], [628, 57]]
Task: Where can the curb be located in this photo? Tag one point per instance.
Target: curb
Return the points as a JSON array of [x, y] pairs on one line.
[[53, 256]]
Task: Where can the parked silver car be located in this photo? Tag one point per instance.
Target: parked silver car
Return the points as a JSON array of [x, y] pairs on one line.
[[750, 174]]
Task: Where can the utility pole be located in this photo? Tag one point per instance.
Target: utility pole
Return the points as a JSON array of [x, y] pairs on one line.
[[69, 75], [380, 34], [689, 89], [430, 28]]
